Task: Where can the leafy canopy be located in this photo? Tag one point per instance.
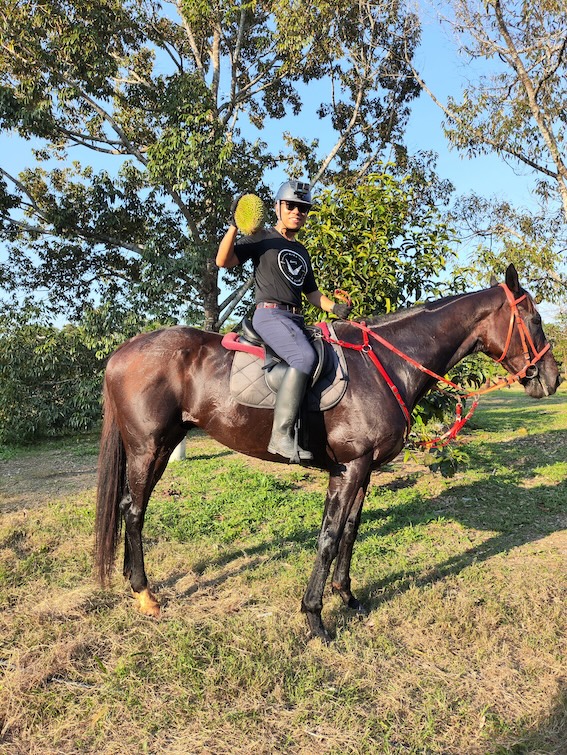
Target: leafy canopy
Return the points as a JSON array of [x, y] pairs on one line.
[[514, 106], [172, 100], [384, 241]]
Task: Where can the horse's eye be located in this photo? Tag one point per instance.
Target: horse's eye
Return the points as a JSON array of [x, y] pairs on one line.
[[536, 319]]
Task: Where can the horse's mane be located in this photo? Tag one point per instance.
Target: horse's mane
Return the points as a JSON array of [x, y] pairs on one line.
[[407, 312]]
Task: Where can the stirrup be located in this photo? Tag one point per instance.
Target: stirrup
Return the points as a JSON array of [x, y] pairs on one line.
[[289, 448]]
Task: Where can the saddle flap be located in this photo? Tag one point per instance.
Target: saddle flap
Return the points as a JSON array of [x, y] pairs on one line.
[[252, 385]]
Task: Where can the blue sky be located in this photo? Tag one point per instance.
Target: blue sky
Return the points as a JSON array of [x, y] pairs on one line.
[[446, 73]]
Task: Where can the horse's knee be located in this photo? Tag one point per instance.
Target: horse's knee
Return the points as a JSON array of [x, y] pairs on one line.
[[125, 503], [327, 545], [311, 604]]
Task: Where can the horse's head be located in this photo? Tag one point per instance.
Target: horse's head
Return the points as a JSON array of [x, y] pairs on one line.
[[516, 340]]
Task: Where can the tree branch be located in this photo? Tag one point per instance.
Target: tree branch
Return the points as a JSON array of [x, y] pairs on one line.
[[131, 148], [235, 57], [343, 137], [19, 185], [88, 236], [214, 54], [453, 118], [232, 301], [192, 42], [545, 130], [554, 69], [90, 142]]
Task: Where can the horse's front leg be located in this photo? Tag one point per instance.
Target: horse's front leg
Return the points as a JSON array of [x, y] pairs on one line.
[[342, 505], [341, 575]]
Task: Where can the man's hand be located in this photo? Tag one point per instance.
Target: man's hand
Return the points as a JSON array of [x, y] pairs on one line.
[[342, 311], [233, 207]]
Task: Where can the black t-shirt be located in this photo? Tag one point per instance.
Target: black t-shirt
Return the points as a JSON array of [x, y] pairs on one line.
[[282, 268]]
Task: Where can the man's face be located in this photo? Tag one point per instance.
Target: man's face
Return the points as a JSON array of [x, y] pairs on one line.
[[293, 214]]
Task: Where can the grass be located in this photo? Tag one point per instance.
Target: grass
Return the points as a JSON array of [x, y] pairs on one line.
[[464, 651]]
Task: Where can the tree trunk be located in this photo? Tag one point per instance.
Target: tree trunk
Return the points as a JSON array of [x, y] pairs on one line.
[[210, 292]]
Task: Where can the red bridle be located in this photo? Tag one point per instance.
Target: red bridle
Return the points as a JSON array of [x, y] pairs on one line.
[[515, 319], [527, 340]]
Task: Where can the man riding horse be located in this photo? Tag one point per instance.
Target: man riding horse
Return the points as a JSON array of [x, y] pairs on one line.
[[282, 272]]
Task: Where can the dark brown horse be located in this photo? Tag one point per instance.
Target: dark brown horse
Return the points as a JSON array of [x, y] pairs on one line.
[[159, 385]]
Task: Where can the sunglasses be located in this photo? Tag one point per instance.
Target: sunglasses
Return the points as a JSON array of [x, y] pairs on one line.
[[303, 208]]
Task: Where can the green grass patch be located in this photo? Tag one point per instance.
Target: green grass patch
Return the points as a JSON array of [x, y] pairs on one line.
[[463, 651]]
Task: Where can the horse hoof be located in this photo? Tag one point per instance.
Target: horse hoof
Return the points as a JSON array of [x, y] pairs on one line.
[[317, 630], [356, 606], [147, 603], [321, 635]]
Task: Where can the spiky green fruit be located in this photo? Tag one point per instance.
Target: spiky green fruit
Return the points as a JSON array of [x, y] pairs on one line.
[[249, 214]]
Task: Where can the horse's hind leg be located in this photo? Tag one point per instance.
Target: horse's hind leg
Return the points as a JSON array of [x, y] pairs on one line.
[[143, 473], [342, 511]]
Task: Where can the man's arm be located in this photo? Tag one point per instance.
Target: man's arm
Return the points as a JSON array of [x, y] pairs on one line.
[[318, 299], [225, 254]]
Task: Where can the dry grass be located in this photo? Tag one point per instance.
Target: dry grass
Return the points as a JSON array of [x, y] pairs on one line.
[[464, 652]]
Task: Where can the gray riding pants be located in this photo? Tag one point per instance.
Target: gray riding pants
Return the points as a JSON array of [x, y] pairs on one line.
[[284, 334]]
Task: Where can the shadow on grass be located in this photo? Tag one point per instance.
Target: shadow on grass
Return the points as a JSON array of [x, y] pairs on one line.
[[208, 456], [505, 503], [203, 585], [510, 502], [549, 738], [399, 582]]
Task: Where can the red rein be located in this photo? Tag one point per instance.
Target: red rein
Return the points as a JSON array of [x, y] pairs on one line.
[[460, 421]]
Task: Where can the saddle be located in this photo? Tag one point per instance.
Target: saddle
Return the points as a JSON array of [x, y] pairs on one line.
[[257, 372]]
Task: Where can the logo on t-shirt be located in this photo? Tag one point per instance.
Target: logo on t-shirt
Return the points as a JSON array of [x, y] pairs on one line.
[[293, 266]]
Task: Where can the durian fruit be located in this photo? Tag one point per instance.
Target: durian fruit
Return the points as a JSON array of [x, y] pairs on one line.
[[249, 214]]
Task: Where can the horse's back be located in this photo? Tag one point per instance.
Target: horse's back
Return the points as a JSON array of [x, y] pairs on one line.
[[162, 341]]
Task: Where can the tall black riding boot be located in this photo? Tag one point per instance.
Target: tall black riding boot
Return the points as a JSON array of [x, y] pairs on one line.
[[289, 398]]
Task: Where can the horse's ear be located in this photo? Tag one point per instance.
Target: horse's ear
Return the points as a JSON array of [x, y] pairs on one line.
[[493, 281], [512, 279]]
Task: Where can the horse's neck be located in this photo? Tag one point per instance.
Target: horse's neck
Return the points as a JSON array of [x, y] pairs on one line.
[[459, 322], [437, 336]]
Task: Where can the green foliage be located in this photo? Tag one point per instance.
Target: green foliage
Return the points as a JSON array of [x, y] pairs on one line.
[[51, 378], [473, 372], [165, 103], [436, 412], [514, 108], [382, 241], [500, 111], [508, 235], [557, 335]]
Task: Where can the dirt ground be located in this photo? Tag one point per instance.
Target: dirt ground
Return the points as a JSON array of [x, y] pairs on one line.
[[31, 479], [38, 475]]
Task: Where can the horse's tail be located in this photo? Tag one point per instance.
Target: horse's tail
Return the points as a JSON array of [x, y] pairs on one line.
[[110, 489]]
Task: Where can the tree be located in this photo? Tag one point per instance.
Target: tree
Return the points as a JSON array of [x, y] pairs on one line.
[[50, 377], [500, 234], [384, 241], [174, 105], [517, 111], [557, 334]]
